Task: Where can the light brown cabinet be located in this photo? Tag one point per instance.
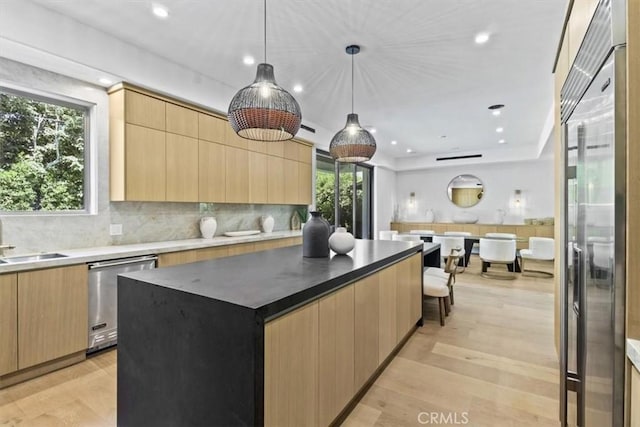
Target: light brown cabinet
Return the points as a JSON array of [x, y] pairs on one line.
[[52, 314], [367, 314], [634, 412], [8, 323], [336, 385], [388, 318], [181, 168], [212, 172], [164, 150], [291, 377]]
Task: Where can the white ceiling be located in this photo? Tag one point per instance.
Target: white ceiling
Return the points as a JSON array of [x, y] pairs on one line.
[[419, 75]]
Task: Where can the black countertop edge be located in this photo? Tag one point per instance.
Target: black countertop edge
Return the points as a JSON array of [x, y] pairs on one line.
[[285, 305]]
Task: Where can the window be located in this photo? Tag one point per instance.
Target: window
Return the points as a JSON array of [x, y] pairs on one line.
[[43, 152]]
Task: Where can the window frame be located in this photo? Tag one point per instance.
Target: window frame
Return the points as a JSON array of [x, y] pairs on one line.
[[90, 162]]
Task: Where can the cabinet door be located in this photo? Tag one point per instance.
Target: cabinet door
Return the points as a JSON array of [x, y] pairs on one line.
[[403, 300], [144, 110], [182, 121], [257, 146], [237, 175], [276, 148], [366, 329], [275, 180], [291, 182], [244, 248], [305, 184], [8, 323], [290, 150], [211, 253], [177, 258], [291, 369], [232, 139], [305, 153], [52, 314], [258, 184], [145, 164], [211, 172], [415, 293], [211, 128], [182, 168], [336, 353], [635, 397], [387, 325]]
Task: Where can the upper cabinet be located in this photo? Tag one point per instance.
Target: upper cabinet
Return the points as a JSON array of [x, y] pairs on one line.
[[162, 149]]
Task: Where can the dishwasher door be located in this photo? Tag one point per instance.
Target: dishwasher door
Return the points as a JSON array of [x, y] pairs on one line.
[[103, 297]]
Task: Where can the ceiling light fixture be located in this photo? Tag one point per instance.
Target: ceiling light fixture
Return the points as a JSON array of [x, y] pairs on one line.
[[394, 142], [248, 60], [263, 111], [502, 141], [160, 11], [352, 144], [482, 38], [499, 130], [496, 112], [297, 88], [409, 150]]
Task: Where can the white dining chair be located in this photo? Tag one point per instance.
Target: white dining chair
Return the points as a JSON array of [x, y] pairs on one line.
[[540, 249], [457, 233], [386, 234], [501, 235], [449, 243], [407, 237], [497, 251], [422, 232]]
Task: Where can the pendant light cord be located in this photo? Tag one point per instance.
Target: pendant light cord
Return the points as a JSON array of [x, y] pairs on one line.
[[352, 88], [265, 31]]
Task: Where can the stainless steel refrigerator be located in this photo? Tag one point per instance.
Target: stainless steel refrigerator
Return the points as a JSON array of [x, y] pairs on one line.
[[593, 112]]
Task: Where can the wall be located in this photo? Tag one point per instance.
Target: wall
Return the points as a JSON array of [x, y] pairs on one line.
[[533, 178], [384, 198], [142, 222]]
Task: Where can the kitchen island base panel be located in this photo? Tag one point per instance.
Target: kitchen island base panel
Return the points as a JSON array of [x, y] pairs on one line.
[[41, 369]]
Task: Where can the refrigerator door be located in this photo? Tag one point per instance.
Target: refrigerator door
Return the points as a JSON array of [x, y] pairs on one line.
[[594, 326]]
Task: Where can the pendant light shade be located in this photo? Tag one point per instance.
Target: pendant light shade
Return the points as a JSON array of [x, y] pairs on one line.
[[264, 111], [352, 144]]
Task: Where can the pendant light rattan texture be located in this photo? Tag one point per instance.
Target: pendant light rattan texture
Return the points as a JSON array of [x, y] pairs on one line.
[[352, 144]]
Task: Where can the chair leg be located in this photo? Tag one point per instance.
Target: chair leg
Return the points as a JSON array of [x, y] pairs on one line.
[[441, 305], [447, 306], [451, 294]]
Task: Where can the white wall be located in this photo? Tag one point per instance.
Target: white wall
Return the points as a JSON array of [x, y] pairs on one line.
[[533, 178], [384, 198]]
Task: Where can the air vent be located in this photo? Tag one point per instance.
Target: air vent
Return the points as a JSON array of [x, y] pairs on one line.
[[307, 128], [470, 156]]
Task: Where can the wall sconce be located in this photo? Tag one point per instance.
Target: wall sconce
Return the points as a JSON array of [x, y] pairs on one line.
[[412, 199], [517, 198]]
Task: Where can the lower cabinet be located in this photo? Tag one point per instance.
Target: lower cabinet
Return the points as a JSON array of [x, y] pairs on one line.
[[634, 413], [52, 314], [319, 356], [8, 323]]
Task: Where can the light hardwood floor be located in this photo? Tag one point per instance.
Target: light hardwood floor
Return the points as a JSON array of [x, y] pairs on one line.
[[493, 363]]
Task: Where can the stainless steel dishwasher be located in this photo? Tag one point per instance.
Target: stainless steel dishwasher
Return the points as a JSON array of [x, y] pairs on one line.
[[103, 297]]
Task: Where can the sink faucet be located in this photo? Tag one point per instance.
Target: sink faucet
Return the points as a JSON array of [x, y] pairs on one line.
[[3, 247]]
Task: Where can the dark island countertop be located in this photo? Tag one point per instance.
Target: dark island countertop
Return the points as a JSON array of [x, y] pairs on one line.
[[274, 281]]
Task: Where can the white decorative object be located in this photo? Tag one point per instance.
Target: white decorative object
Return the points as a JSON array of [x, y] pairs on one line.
[[241, 233], [498, 217], [267, 223], [208, 225], [465, 218], [431, 216], [341, 242]]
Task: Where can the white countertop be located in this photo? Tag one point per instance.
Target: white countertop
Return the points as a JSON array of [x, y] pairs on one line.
[[633, 352], [84, 255]]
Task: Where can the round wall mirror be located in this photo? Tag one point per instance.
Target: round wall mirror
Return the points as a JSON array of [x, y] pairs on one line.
[[465, 190]]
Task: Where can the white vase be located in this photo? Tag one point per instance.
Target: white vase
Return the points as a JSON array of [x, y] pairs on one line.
[[208, 225], [431, 216], [341, 242], [267, 223]]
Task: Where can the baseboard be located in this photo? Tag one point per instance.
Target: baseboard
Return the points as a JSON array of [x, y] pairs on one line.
[[43, 368]]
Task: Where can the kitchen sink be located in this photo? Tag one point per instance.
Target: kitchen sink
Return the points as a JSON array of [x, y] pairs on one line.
[[30, 258]]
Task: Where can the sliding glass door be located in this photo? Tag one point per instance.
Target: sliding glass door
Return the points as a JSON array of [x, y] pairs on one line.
[[344, 194]]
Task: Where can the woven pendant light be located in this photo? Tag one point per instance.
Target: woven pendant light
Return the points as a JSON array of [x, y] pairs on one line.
[[264, 111], [352, 144]]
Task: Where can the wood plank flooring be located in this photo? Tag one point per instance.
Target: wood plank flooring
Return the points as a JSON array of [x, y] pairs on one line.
[[493, 364]]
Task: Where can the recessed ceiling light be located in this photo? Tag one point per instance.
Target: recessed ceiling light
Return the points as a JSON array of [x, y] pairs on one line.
[[502, 141], [499, 130], [409, 150], [248, 60], [496, 112], [105, 81], [394, 142], [160, 11], [482, 38], [297, 88]]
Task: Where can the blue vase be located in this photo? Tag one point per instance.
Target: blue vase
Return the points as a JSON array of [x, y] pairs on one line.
[[315, 237]]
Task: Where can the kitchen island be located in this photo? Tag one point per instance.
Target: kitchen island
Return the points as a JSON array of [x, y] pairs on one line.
[[270, 338]]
